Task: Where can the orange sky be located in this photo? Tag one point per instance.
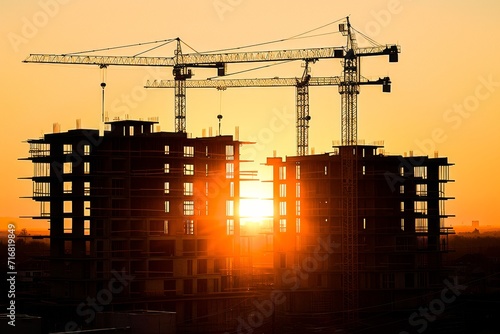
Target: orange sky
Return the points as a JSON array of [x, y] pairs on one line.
[[445, 91]]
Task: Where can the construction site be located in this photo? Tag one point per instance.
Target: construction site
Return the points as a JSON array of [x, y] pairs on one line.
[[146, 223]]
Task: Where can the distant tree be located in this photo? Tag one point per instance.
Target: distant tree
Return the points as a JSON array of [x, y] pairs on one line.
[[21, 237], [26, 247], [24, 232]]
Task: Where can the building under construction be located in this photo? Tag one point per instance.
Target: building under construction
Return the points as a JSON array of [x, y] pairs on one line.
[[161, 209], [357, 234], [157, 208], [398, 238]]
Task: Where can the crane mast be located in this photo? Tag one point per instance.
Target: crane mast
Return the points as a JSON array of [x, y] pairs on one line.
[[349, 91], [302, 112], [181, 73], [349, 156]]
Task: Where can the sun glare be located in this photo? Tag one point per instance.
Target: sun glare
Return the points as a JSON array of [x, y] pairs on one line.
[[255, 210]]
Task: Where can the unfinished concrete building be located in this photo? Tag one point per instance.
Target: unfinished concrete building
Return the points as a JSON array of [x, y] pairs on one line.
[[157, 208], [400, 239], [161, 209]]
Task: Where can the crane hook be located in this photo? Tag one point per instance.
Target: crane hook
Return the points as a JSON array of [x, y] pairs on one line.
[[103, 85]]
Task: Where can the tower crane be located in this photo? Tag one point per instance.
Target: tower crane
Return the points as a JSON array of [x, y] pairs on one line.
[[349, 83], [302, 94], [349, 90], [182, 64]]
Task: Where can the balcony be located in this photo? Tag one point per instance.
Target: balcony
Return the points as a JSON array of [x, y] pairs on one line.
[[39, 150]]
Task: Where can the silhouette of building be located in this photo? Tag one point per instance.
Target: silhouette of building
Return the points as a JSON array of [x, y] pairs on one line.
[[142, 220], [148, 221], [400, 239]]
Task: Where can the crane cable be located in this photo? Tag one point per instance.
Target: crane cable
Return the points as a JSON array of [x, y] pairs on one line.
[[166, 41], [369, 39], [320, 27], [103, 85], [154, 47], [298, 36], [169, 40]]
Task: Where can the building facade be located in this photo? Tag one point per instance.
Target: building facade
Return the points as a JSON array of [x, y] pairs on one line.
[[400, 234], [145, 220], [156, 209]]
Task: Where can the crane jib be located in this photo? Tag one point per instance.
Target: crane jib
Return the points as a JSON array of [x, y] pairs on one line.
[[213, 60], [189, 59]]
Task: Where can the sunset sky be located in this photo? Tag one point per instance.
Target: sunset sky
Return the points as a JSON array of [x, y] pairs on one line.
[[445, 88]]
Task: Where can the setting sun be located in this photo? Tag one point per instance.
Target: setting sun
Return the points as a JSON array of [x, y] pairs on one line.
[[255, 210]]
